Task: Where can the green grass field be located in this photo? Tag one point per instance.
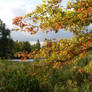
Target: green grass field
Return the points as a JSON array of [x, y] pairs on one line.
[[41, 77]]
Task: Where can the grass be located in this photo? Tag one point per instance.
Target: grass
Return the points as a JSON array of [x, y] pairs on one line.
[[41, 77]]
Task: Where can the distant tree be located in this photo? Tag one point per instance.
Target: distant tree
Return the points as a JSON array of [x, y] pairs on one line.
[[4, 32], [10, 48], [18, 46], [26, 46], [4, 40], [37, 45]]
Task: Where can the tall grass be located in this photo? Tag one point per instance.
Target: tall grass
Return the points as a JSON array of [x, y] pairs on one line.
[[42, 77]]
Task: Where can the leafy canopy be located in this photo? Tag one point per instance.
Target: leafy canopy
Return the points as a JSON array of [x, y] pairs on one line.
[[51, 16]]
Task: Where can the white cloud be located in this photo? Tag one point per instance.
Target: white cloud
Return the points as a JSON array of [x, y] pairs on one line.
[[6, 15], [10, 10]]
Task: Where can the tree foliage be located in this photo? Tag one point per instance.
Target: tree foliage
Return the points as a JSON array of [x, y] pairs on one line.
[[6, 43], [23, 49], [68, 64], [51, 16]]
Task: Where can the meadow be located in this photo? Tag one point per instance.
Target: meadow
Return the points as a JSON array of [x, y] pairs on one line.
[[45, 77]]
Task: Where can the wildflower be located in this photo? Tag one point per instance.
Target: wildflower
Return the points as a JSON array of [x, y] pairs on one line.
[[90, 73], [80, 71], [83, 44]]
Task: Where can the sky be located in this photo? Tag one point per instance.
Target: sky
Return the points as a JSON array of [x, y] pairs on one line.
[[10, 9]]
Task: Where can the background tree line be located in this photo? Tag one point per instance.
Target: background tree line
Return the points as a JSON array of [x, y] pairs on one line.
[[8, 47]]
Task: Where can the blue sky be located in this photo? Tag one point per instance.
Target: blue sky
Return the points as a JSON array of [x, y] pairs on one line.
[[9, 9]]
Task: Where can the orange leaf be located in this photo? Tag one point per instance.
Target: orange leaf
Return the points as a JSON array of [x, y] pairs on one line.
[[79, 10], [83, 44]]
